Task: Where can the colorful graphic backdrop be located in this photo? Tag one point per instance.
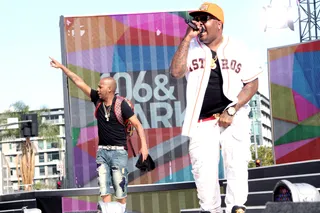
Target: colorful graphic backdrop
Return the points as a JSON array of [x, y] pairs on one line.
[[295, 99], [136, 50], [138, 202]]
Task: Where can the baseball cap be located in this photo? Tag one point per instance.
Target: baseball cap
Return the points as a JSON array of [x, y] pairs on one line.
[[210, 8]]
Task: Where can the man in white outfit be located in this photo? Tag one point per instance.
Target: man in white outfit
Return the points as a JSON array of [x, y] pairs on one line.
[[222, 78]]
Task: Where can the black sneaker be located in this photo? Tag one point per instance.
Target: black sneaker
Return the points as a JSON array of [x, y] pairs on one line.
[[238, 209]]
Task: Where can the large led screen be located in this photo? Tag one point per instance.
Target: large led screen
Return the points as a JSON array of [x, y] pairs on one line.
[[136, 49], [295, 98]]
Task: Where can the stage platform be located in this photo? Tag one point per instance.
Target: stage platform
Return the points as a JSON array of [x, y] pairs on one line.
[[163, 198]]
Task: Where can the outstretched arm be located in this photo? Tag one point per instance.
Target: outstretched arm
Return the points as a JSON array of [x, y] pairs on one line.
[[74, 77]]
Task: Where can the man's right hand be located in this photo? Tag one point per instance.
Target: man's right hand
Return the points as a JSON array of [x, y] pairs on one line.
[[191, 33], [73, 77], [54, 63], [178, 66]]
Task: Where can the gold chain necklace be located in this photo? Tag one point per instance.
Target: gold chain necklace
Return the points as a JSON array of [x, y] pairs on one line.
[[213, 62], [106, 111]]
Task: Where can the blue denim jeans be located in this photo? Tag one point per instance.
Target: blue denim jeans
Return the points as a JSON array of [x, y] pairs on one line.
[[112, 168]]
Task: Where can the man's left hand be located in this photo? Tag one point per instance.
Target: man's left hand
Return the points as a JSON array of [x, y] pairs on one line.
[[225, 120], [144, 151]]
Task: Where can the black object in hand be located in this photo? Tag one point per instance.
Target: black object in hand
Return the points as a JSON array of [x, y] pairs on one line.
[[193, 26], [146, 165]]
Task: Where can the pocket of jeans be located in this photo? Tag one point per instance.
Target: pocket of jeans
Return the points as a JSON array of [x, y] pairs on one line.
[[99, 158], [240, 134], [122, 152], [236, 153], [240, 128], [243, 153], [121, 158]]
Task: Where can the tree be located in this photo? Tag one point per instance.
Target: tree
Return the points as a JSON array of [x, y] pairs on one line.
[[25, 162], [265, 154], [16, 110], [39, 186]]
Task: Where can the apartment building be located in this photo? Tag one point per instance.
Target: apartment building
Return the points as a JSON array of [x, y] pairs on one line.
[[260, 120], [50, 155]]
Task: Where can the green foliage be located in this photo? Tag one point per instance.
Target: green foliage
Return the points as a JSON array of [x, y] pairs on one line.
[[49, 132], [265, 154], [19, 107], [9, 134], [39, 186], [46, 131], [15, 111]]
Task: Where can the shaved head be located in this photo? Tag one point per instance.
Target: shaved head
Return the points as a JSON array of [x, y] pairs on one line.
[[107, 88], [109, 82]]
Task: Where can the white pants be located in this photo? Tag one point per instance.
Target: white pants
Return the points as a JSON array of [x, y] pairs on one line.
[[204, 150]]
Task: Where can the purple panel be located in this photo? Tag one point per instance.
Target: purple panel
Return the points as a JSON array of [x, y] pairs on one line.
[[87, 134], [281, 71], [98, 59], [85, 167], [73, 204], [155, 22], [284, 149]]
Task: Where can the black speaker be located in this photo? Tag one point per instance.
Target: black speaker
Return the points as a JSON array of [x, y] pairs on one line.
[[291, 207], [29, 129]]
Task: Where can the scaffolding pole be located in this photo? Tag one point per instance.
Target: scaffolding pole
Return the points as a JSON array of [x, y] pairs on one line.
[[309, 11]]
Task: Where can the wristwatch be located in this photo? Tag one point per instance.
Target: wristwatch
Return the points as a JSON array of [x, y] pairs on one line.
[[231, 111]]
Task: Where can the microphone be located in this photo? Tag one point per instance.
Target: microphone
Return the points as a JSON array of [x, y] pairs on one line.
[[193, 26]]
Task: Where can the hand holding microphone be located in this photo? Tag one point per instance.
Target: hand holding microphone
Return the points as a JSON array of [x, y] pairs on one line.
[[194, 26]]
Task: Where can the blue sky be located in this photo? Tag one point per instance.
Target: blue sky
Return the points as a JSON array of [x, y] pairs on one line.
[[30, 33]]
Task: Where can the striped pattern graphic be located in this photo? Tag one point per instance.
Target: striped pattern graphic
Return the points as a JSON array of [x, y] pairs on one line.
[[155, 202]]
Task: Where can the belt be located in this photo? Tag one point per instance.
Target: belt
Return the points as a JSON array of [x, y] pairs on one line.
[[213, 117], [109, 147]]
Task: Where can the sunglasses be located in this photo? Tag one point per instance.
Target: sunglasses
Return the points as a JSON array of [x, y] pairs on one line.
[[203, 19]]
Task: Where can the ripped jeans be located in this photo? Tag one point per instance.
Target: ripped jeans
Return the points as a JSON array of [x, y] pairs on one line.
[[112, 169]]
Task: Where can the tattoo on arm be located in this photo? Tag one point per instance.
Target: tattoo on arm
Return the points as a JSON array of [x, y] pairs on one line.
[[179, 61], [247, 93]]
